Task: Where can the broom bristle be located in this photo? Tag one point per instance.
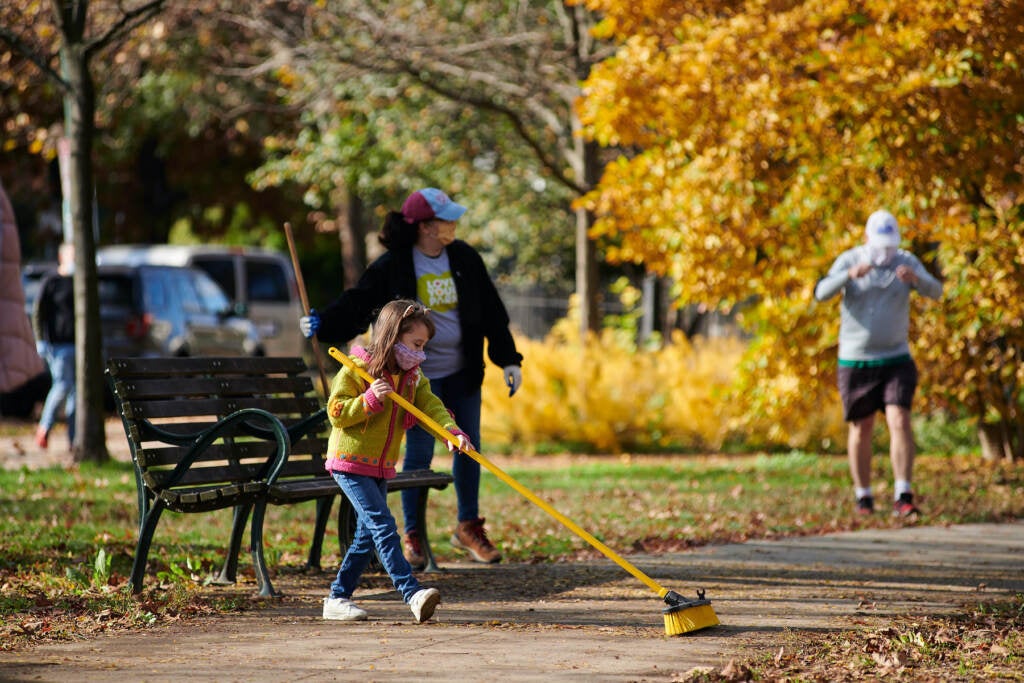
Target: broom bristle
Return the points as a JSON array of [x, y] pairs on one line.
[[685, 618]]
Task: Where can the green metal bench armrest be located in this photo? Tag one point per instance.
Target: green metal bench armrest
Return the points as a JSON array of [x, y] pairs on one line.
[[270, 470]]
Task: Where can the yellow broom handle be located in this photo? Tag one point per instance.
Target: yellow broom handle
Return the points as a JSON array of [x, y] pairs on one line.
[[443, 434]]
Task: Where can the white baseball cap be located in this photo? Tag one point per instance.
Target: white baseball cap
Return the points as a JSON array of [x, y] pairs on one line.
[[883, 230]]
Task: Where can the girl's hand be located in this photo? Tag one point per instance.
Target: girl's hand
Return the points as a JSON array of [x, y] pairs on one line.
[[463, 445], [380, 388]]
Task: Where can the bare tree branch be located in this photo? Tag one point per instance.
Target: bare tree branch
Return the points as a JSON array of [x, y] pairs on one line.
[[129, 21], [547, 160], [28, 52], [521, 76]]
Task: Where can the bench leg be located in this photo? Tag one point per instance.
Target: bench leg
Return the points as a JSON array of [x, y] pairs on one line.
[[146, 531], [229, 573], [346, 525], [258, 560], [323, 514], [430, 566], [145, 499]]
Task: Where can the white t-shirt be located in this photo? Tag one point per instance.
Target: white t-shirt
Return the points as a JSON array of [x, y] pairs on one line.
[[435, 288]]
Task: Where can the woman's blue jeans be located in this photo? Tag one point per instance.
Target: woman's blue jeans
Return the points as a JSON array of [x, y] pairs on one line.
[[463, 399], [375, 529], [61, 360]]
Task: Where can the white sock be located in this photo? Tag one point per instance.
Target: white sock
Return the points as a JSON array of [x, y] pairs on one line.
[[902, 486], [862, 492]]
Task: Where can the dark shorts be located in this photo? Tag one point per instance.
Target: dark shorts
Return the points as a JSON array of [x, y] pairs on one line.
[[865, 391]]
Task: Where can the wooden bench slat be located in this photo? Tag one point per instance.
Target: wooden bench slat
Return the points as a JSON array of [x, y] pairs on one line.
[[191, 427], [204, 407], [170, 455], [209, 499], [162, 387], [243, 470], [419, 478], [209, 365], [286, 491]]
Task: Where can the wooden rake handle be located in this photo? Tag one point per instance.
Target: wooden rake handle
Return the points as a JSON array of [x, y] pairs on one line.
[[305, 305]]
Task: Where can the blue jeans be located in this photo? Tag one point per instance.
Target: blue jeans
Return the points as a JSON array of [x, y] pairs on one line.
[[463, 399], [61, 360], [375, 528]]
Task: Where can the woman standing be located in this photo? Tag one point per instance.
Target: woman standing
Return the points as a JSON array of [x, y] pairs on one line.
[[425, 262]]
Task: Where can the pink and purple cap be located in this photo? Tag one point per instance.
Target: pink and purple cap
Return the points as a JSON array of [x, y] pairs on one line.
[[430, 203]]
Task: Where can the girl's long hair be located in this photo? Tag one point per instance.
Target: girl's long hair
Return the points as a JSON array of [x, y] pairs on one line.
[[394, 320]]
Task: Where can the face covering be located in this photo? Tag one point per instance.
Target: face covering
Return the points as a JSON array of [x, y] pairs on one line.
[[408, 358], [446, 233], [881, 256]]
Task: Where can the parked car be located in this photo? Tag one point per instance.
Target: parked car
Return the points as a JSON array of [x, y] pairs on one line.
[[170, 311], [148, 311], [261, 280]]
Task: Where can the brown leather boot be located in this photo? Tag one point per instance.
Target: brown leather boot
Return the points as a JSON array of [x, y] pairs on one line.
[[471, 537], [414, 551]]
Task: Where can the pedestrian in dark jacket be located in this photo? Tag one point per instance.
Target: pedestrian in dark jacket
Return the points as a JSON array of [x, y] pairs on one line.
[[53, 320], [425, 262]]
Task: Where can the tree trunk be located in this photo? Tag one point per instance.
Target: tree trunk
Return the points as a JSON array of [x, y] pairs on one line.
[[587, 285], [352, 235], [79, 109], [996, 441], [649, 321]]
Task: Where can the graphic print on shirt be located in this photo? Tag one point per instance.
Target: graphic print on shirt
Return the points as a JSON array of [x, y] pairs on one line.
[[437, 291]]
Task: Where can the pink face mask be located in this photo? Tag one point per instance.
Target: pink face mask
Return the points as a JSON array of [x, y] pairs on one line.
[[408, 358]]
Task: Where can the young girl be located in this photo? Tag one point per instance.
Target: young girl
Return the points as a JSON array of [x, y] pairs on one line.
[[366, 431]]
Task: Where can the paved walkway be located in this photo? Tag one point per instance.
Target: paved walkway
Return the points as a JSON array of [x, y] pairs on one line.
[[586, 621]]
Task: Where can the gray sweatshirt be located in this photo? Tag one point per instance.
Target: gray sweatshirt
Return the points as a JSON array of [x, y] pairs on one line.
[[874, 318]]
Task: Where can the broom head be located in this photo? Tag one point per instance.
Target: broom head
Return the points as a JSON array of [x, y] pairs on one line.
[[683, 616]]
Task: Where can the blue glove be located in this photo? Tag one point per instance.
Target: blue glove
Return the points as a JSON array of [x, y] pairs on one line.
[[513, 378], [309, 324]]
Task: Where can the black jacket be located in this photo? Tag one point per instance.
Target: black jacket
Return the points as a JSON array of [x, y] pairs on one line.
[[53, 317], [393, 276]]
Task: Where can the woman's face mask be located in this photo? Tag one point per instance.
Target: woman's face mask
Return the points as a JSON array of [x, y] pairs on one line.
[[881, 256], [445, 232]]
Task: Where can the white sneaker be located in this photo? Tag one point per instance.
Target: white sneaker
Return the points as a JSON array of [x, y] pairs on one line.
[[343, 609], [423, 603]]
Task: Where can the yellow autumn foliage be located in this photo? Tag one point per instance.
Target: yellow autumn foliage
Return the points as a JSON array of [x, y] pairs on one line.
[[761, 136], [603, 395]]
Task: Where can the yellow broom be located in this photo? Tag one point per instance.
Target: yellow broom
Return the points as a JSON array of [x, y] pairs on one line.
[[681, 615]]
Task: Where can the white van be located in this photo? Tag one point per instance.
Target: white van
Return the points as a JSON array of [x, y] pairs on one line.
[[261, 280]]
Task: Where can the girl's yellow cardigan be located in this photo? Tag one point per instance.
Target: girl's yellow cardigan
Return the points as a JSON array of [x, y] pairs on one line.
[[366, 433]]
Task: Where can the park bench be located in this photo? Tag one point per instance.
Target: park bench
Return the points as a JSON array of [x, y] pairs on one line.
[[234, 433]]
